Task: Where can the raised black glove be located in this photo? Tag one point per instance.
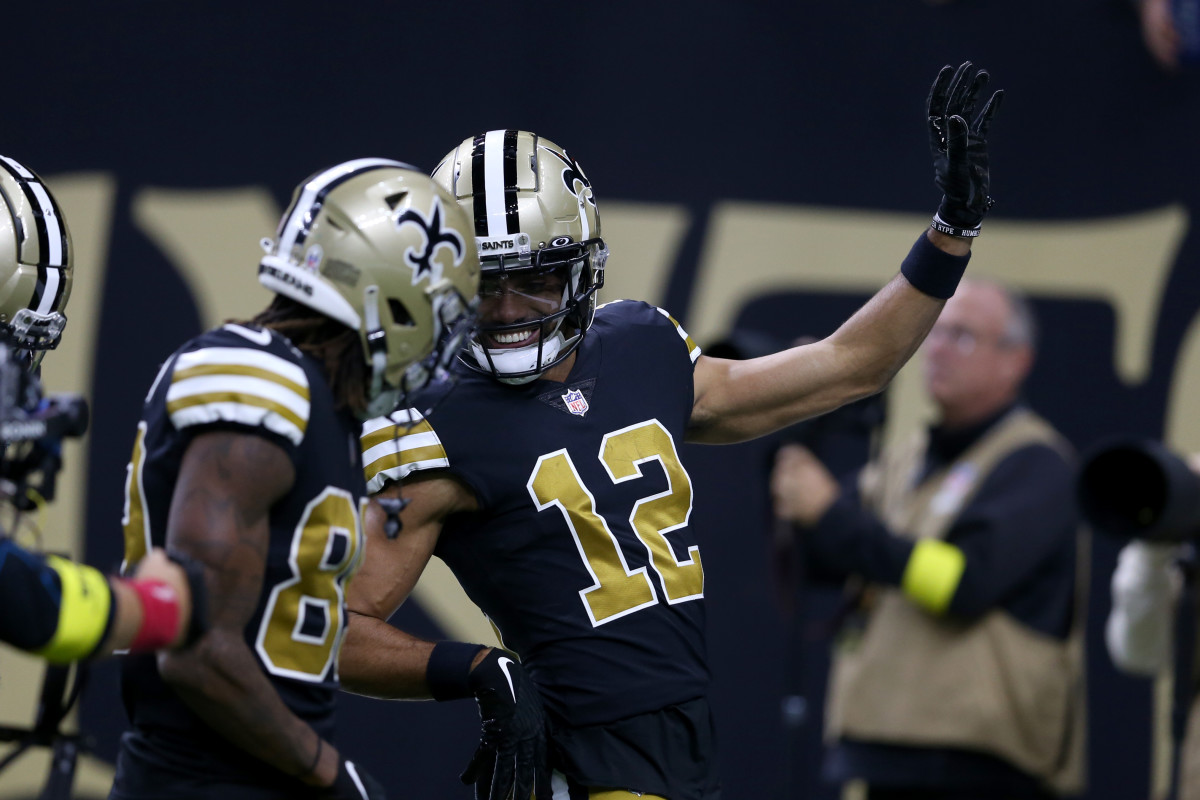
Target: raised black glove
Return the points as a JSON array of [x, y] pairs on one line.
[[352, 783], [958, 142], [511, 758]]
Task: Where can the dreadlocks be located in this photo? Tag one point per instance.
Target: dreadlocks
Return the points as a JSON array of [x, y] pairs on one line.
[[337, 347]]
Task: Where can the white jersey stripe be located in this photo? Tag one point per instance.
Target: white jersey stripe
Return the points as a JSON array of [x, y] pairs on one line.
[[242, 356], [243, 385], [241, 413], [376, 480], [427, 439], [493, 175]]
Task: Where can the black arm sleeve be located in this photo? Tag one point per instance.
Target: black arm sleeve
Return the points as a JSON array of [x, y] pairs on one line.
[[848, 540], [30, 597]]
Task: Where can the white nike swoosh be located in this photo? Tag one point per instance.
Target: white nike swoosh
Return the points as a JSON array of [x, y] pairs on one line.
[[262, 337], [504, 662]]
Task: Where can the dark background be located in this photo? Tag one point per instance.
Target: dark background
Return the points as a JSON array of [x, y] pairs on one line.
[[817, 103]]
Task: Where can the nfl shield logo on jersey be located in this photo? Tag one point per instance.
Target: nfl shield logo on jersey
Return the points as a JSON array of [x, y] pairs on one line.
[[576, 403]]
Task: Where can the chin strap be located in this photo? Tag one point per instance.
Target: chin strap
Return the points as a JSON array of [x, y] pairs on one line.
[[376, 339]]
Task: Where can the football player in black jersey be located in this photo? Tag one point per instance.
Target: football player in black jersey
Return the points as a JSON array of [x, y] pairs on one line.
[[550, 481], [51, 606], [246, 459]]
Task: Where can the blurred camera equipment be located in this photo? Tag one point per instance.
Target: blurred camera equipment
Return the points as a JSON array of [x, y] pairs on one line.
[[1138, 488]]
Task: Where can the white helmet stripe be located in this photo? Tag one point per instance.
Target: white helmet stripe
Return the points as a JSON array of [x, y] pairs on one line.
[[47, 301], [295, 227], [493, 193], [52, 244], [54, 232]]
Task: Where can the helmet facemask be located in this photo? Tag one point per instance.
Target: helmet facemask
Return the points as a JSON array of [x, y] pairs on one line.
[[534, 213], [575, 273]]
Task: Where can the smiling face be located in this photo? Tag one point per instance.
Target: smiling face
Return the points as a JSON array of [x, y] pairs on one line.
[[514, 307]]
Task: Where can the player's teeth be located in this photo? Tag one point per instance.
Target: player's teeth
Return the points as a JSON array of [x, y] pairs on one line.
[[512, 338]]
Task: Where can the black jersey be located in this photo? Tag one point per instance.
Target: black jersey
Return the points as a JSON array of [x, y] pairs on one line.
[[581, 554], [253, 381]]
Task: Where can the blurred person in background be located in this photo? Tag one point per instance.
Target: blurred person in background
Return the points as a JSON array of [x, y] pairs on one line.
[[959, 671]]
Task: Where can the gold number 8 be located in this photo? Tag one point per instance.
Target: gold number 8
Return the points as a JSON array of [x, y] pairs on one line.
[[304, 620]]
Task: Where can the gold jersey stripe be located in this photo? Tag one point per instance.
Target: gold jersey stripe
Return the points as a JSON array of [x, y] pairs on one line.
[[687, 337], [404, 457], [238, 397], [390, 432], [240, 369]]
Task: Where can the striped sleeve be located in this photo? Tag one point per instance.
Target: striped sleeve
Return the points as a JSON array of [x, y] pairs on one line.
[[239, 385], [693, 348], [395, 446]]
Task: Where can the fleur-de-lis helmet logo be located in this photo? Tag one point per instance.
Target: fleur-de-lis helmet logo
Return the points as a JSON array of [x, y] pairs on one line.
[[435, 236], [573, 178]]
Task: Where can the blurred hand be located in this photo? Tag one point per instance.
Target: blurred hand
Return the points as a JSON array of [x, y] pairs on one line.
[[157, 566], [801, 488], [1160, 34]]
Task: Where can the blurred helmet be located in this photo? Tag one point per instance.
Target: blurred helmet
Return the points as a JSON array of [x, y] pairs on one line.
[[533, 211], [378, 246], [35, 262]]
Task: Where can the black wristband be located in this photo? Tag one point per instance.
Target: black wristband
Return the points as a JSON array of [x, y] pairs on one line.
[[933, 271], [448, 669], [198, 587]]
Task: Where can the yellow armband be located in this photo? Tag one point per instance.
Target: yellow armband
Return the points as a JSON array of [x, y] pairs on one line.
[[83, 614], [932, 574]]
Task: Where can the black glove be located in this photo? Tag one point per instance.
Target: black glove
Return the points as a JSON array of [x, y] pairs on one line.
[[959, 147], [511, 758], [352, 783]]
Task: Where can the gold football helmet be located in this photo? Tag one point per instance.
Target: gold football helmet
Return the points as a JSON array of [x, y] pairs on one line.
[[533, 211], [35, 262], [378, 246]]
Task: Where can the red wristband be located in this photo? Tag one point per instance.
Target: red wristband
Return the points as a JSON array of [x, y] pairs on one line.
[[160, 615]]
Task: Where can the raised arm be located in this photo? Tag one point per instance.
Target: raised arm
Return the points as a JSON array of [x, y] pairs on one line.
[[220, 517], [735, 401]]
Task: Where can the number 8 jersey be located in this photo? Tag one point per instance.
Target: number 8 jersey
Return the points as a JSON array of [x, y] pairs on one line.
[[581, 554], [250, 380]]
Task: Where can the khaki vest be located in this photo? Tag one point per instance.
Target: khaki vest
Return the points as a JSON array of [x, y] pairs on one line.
[[993, 685]]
